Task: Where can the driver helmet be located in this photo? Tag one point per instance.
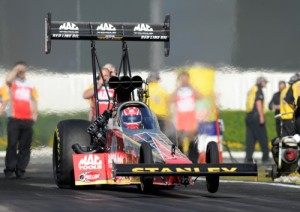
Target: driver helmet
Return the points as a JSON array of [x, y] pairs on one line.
[[132, 118]]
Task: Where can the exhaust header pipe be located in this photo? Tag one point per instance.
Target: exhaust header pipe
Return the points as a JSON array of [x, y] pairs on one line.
[[125, 82]]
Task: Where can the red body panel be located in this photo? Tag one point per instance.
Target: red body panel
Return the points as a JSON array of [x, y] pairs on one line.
[[93, 169]]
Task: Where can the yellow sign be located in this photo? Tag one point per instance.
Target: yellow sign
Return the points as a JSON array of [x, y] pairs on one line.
[[203, 79]]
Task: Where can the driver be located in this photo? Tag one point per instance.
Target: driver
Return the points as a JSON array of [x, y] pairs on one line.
[[132, 118]]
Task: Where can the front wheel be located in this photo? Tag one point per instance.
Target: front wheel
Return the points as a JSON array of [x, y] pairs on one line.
[[67, 133], [147, 158], [212, 156]]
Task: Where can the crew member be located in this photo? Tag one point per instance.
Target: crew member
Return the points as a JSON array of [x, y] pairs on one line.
[[287, 112], [255, 121], [292, 99], [112, 69], [185, 97], [286, 118], [103, 94], [275, 105], [22, 113]]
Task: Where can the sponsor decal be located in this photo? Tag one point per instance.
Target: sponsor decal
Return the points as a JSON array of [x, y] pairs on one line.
[[57, 144], [22, 94], [90, 162], [180, 170], [119, 179], [103, 95], [116, 158], [154, 37], [106, 28], [67, 30], [89, 177], [68, 26], [143, 29], [110, 37]]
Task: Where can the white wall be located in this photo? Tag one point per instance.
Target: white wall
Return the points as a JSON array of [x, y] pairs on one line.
[[63, 92], [233, 86]]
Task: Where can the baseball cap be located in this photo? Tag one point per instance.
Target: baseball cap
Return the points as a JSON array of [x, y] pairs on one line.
[[294, 78], [261, 78]]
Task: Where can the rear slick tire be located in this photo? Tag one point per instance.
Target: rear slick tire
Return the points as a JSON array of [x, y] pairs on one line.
[[146, 157], [67, 133], [212, 156]]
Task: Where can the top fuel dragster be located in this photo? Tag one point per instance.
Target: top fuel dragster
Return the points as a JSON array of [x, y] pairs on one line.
[[105, 151]]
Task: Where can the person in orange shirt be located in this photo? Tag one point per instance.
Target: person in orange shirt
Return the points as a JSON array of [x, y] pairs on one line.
[[104, 103], [22, 113], [113, 72], [185, 97]]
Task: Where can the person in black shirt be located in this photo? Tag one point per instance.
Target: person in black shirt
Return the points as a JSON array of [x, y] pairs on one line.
[[255, 122], [275, 105]]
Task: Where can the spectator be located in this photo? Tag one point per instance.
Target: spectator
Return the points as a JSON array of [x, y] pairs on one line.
[[185, 97], [104, 103], [22, 114], [4, 97], [275, 105], [255, 121]]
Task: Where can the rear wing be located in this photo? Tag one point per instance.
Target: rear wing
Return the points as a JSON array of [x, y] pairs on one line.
[[107, 31]]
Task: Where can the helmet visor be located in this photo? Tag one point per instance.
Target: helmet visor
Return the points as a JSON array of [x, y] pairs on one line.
[[132, 119]]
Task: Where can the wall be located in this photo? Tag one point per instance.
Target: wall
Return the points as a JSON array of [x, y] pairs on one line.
[[63, 92]]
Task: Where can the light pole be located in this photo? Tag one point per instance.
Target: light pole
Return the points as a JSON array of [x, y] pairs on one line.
[[156, 56], [78, 43]]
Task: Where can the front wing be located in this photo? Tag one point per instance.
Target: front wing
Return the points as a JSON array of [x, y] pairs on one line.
[[184, 169]]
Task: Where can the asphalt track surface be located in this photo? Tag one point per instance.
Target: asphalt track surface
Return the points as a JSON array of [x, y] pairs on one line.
[[38, 192]]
